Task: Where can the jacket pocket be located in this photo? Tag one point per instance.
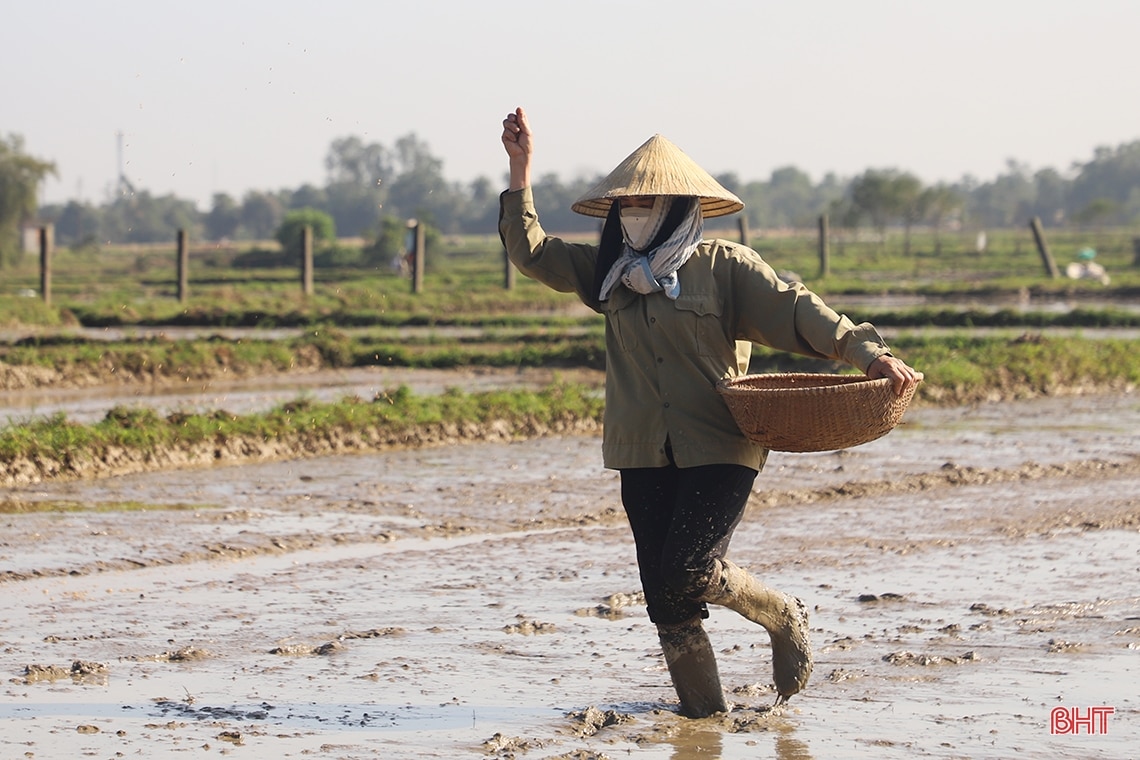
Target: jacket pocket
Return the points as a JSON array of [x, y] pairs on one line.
[[704, 318], [622, 315]]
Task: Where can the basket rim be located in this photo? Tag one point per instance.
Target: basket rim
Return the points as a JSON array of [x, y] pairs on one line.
[[831, 383], [823, 412]]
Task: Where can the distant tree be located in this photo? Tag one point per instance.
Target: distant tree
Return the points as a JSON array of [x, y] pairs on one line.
[[354, 208], [389, 245], [730, 181], [480, 210], [1098, 210], [1130, 211], [366, 181], [352, 161], [140, 217], [1113, 175], [76, 224], [359, 176], [289, 233], [1008, 200], [1050, 191], [790, 197], [308, 196], [886, 196], [261, 215], [871, 198], [557, 197], [20, 178], [939, 203], [223, 219], [418, 187], [910, 204]]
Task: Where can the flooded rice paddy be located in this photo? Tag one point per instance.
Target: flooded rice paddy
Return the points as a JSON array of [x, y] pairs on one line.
[[966, 575]]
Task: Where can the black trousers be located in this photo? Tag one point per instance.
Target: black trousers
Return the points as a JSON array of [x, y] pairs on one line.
[[682, 521]]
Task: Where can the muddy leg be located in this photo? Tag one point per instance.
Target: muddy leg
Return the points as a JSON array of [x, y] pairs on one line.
[[692, 666], [783, 616]]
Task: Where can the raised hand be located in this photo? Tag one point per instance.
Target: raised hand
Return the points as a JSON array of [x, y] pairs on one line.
[[519, 144], [517, 137]]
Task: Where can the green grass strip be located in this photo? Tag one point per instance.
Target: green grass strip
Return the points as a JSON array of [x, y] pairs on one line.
[[142, 429]]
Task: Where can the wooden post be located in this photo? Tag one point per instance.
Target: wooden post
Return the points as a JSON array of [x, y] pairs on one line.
[[508, 272], [47, 242], [183, 267], [307, 260], [418, 258], [1136, 251], [824, 246], [1043, 248], [744, 231]]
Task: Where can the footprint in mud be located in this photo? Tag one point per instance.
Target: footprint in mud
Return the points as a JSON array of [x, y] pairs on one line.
[[889, 596], [79, 672], [909, 658], [612, 607], [184, 654], [529, 627], [588, 722]]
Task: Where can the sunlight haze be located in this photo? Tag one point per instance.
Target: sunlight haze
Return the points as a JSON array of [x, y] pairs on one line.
[[218, 97]]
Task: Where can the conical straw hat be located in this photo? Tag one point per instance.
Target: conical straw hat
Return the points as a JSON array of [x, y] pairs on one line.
[[658, 167]]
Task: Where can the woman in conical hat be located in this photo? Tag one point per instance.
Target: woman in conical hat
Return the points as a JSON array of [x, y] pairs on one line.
[[682, 313]]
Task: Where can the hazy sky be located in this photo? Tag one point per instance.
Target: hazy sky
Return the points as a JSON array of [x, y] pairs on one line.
[[234, 96]]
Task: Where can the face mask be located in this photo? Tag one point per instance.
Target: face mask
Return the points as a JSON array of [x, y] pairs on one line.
[[640, 225], [634, 225]]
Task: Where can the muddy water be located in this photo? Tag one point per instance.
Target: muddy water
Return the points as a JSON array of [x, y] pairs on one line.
[[966, 574]]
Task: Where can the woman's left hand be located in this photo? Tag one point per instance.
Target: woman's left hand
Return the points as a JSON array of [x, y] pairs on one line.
[[900, 375]]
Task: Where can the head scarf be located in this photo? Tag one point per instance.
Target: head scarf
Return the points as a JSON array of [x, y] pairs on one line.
[[655, 268]]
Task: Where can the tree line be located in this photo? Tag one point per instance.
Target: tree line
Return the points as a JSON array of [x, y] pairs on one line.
[[370, 189]]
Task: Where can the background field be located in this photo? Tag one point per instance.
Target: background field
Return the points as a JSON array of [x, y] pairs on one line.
[[465, 279]]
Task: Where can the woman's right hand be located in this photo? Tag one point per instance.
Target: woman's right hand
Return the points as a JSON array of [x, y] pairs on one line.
[[519, 144], [516, 135]]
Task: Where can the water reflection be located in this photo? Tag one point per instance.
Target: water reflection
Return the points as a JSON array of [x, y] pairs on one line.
[[702, 739], [697, 744], [790, 748]]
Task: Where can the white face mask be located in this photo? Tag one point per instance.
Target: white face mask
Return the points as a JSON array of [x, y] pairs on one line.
[[640, 225], [634, 222]]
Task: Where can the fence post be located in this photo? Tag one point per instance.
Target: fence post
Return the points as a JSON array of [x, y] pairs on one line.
[[418, 257], [508, 272], [745, 234], [1043, 248], [183, 267], [307, 260], [1136, 251], [47, 242], [824, 246]]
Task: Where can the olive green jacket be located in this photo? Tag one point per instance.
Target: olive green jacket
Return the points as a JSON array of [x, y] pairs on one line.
[[664, 357]]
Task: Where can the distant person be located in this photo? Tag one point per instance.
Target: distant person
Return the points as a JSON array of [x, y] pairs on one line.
[[1084, 268], [682, 313]]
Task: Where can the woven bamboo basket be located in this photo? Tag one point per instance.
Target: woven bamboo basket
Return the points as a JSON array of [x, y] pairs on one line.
[[813, 412]]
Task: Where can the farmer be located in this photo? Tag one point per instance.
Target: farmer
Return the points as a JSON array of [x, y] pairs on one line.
[[682, 313]]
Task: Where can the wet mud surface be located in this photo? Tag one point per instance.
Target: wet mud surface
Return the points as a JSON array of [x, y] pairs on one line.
[[965, 575]]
